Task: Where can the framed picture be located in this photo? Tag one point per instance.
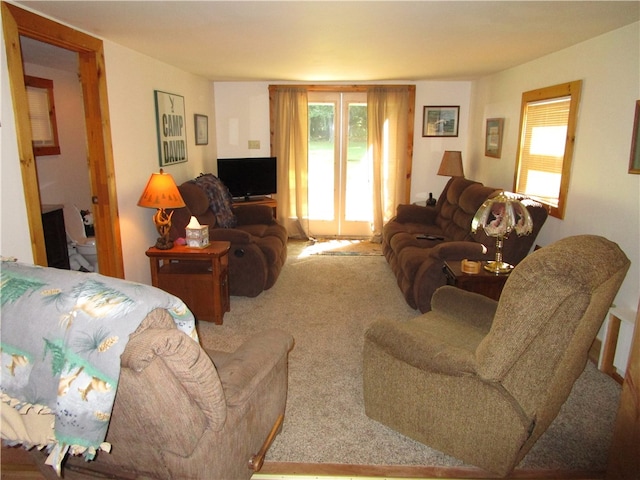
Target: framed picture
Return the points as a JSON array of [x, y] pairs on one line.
[[440, 121], [201, 129], [171, 125], [634, 160], [493, 137]]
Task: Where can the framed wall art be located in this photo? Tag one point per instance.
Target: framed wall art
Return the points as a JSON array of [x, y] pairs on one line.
[[634, 160], [171, 125], [201, 129], [440, 121], [493, 137]]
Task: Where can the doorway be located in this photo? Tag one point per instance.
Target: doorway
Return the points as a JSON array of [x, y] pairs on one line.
[[340, 173], [17, 22]]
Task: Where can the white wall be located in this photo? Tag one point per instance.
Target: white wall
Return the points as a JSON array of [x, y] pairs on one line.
[[603, 198], [14, 231], [131, 81], [242, 114]]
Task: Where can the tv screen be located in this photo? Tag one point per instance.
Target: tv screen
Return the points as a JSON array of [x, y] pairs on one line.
[[247, 177]]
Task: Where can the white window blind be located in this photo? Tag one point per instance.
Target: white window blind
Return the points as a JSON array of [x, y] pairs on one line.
[[39, 108]]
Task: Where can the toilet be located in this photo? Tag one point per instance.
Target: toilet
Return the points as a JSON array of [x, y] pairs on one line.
[[76, 235]]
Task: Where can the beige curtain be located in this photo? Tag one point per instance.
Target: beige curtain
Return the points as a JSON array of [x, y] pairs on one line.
[[290, 146], [387, 112]]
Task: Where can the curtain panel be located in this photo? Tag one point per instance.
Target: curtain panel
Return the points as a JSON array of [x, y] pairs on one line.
[[389, 134], [290, 146]]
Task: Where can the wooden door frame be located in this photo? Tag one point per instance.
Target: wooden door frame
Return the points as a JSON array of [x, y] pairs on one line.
[[17, 22]]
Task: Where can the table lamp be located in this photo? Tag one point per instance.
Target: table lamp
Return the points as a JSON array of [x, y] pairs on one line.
[[161, 192], [498, 217], [451, 164]]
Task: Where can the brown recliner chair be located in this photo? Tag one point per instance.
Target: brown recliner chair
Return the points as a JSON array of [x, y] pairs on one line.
[[258, 242], [179, 415], [482, 380]]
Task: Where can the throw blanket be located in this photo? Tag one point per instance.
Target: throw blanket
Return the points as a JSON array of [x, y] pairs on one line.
[[62, 336], [220, 200]]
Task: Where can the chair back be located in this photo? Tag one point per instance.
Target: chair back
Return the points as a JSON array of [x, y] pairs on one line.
[[550, 311]]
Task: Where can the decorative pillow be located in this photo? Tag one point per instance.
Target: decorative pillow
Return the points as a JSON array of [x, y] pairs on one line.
[[220, 200]]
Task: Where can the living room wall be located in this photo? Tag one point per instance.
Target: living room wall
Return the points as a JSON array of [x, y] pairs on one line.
[[131, 81], [242, 114], [603, 198]]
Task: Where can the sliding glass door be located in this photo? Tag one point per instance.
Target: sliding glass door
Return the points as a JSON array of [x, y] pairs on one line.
[[340, 195]]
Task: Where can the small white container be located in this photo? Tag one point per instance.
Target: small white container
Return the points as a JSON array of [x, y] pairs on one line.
[[197, 236]]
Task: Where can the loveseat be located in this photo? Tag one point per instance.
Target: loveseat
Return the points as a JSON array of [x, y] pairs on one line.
[[90, 361], [418, 262], [258, 242]]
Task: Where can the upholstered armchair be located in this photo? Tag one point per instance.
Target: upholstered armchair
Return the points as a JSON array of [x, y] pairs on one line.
[[183, 412], [258, 242], [482, 380]]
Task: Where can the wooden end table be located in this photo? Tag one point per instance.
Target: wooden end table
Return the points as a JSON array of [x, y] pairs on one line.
[[198, 276], [485, 283]]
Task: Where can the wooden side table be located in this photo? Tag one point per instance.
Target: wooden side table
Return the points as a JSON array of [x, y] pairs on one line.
[[485, 283], [199, 276]]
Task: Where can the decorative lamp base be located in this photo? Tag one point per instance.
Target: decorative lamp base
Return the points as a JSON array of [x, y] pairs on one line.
[[498, 267], [164, 244]]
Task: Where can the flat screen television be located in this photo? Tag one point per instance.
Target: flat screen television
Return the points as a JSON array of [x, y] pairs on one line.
[[248, 177]]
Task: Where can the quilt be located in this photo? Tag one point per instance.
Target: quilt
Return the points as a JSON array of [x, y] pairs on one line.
[[61, 339]]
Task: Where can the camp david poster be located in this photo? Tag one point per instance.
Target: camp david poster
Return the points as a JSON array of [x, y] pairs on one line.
[[172, 135]]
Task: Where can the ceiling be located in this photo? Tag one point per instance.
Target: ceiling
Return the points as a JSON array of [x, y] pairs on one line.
[[339, 41]]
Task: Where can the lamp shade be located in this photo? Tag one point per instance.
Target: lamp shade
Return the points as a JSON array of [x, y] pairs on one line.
[[498, 217], [502, 214], [451, 164], [161, 192]]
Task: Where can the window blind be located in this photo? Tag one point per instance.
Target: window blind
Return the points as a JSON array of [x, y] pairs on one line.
[[41, 131], [544, 137]]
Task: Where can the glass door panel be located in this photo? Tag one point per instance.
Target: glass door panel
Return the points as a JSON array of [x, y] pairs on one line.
[[340, 202]]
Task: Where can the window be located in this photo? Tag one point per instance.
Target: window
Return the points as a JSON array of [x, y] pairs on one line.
[[42, 114], [548, 119]]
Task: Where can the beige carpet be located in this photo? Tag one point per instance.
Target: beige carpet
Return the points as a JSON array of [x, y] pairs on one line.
[[327, 303]]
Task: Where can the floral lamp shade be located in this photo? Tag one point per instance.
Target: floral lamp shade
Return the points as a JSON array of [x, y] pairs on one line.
[[499, 217]]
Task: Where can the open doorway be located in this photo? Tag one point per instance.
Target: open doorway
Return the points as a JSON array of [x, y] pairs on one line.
[[63, 173], [17, 22]]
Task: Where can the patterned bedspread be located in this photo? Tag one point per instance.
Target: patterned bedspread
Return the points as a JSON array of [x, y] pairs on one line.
[[62, 336]]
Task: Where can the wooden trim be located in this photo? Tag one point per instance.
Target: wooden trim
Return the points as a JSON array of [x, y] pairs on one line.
[[23, 133], [624, 456], [18, 22]]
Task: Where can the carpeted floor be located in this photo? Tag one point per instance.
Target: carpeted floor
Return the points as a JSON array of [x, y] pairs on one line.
[[342, 247], [327, 303]]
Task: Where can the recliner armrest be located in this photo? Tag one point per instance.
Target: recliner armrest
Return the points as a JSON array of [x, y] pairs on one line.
[[241, 371], [232, 235], [416, 214], [253, 214], [422, 347], [458, 250]]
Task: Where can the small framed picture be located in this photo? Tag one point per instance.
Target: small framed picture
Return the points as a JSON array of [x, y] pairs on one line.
[[201, 129], [634, 160], [493, 137], [440, 121]]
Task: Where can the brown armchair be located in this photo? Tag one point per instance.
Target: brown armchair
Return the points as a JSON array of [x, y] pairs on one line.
[[482, 380], [258, 242], [180, 415]]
